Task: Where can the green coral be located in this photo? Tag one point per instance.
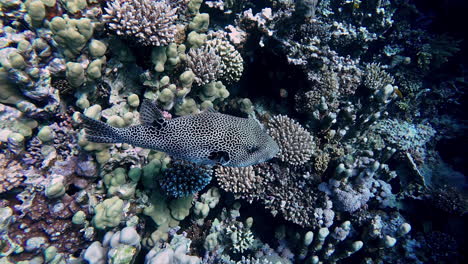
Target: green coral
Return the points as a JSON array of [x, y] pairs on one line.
[[71, 34], [51, 256], [213, 91], [117, 184], [208, 201], [75, 74], [167, 57], [200, 23], [74, 6], [108, 213], [187, 78], [187, 107], [36, 12], [165, 213], [196, 40], [151, 171], [194, 6], [55, 190], [45, 134], [94, 69], [97, 48]]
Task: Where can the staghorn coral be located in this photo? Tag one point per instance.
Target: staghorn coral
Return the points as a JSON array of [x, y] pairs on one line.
[[232, 64], [183, 179], [296, 144], [150, 22], [204, 63]]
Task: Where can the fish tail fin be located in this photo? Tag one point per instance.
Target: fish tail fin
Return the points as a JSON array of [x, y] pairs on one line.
[[98, 131]]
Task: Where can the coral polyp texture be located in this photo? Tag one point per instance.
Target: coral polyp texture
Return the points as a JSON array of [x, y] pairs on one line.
[[149, 22], [232, 64], [183, 179], [296, 132], [296, 143], [204, 63]]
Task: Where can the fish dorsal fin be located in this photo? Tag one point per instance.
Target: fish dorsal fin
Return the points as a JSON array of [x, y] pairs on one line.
[[254, 118], [210, 109], [149, 113]]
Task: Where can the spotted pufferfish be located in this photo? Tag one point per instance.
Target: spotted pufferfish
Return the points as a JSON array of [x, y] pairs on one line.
[[207, 138]]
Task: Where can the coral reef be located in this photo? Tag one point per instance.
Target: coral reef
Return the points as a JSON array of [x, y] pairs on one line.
[[149, 22], [204, 63], [364, 99], [182, 179], [231, 61], [296, 143]]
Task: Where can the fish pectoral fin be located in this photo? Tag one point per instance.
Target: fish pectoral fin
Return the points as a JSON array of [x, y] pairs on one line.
[[150, 113], [221, 157]]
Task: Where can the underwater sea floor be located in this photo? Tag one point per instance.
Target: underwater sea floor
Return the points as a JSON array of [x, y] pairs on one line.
[[233, 132]]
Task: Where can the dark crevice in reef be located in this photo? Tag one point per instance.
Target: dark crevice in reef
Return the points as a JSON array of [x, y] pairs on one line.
[[267, 74], [454, 152]]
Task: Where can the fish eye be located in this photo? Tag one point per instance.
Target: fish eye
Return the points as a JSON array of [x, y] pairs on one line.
[[253, 149]]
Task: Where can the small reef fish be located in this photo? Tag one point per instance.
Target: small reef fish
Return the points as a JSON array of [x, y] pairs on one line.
[[207, 138]]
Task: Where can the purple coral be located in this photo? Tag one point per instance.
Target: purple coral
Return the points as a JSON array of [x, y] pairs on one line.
[[11, 174], [205, 63], [150, 22]]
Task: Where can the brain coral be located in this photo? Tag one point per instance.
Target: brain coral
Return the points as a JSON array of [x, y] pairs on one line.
[[150, 22], [296, 144], [184, 178]]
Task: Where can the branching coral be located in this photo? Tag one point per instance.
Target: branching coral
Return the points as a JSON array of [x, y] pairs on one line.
[[150, 22], [292, 194], [205, 63], [231, 60], [243, 181], [284, 191], [296, 144], [182, 179], [376, 78]]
